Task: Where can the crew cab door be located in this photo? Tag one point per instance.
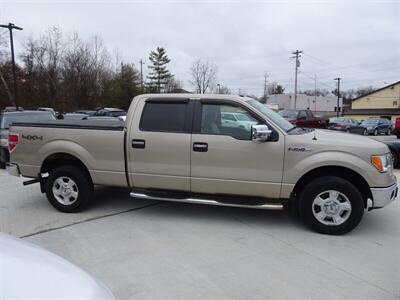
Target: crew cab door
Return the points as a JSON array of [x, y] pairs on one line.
[[225, 160], [159, 143]]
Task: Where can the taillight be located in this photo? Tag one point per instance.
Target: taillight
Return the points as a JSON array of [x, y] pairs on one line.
[[397, 123], [13, 140], [338, 126]]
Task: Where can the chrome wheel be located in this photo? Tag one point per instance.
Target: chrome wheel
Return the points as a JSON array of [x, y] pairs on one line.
[[331, 208], [65, 190]]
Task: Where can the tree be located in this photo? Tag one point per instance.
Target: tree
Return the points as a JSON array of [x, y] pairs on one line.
[[364, 90], [173, 86], [124, 87], [204, 76], [224, 90], [317, 92], [274, 88], [159, 74]]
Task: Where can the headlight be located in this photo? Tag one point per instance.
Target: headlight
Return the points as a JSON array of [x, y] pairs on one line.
[[382, 163]]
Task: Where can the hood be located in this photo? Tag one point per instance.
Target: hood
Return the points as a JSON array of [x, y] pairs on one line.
[[352, 143], [28, 271]]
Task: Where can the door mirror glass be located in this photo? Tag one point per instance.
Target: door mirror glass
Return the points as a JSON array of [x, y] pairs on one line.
[[260, 133]]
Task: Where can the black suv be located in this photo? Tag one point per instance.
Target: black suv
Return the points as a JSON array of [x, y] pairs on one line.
[[9, 117]]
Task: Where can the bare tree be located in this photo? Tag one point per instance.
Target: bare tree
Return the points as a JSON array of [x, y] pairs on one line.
[[204, 76]]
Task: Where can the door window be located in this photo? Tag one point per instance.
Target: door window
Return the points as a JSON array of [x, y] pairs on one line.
[[302, 115], [213, 121], [164, 117]]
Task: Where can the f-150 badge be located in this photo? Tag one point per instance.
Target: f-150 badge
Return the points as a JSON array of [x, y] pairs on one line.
[[299, 149]]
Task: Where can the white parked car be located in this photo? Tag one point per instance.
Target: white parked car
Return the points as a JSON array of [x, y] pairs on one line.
[[236, 120], [30, 272]]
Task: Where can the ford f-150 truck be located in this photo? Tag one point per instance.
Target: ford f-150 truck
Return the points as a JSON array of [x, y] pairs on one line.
[[175, 148]]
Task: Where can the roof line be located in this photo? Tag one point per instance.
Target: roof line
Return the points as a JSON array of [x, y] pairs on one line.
[[382, 88]]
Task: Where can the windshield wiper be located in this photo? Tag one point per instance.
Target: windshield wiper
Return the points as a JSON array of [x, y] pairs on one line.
[[294, 127]]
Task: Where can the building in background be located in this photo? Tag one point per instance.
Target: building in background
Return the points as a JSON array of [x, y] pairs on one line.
[[322, 105], [381, 103]]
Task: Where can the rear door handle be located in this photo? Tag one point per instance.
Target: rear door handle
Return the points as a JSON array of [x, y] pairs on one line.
[[138, 144], [200, 147]]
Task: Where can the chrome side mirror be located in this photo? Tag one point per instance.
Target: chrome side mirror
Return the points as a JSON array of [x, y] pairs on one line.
[[260, 133]]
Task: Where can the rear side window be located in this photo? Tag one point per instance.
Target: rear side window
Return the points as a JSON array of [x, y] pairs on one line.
[[165, 117]]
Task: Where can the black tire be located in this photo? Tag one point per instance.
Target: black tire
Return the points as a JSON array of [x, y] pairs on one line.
[[348, 130], [2, 159], [320, 186], [376, 132], [82, 185], [364, 132], [389, 132], [395, 159]]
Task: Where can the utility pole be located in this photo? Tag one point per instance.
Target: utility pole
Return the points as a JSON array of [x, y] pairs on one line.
[[219, 88], [296, 56], [141, 73], [338, 95], [315, 92], [10, 28], [265, 87]]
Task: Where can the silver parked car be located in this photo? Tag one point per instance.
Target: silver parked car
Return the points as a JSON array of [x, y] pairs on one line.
[[30, 272]]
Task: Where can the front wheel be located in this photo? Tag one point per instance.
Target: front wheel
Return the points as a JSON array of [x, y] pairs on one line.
[[365, 132], [376, 132], [331, 205], [389, 132], [69, 189]]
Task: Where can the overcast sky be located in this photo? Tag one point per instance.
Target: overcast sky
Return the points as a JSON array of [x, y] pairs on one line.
[[358, 41]]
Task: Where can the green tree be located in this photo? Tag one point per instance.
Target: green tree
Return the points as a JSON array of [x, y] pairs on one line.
[[124, 87], [159, 75]]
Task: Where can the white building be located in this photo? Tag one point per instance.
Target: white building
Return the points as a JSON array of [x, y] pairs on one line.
[[319, 104]]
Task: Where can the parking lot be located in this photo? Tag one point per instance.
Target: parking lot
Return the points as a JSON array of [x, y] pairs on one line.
[[153, 250]]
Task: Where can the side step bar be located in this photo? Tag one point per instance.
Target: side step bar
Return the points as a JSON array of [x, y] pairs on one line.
[[270, 206]]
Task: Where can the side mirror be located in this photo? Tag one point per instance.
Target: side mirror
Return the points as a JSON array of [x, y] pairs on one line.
[[260, 133]]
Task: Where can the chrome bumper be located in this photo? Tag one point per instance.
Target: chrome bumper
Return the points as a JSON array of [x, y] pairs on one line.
[[13, 169], [384, 196]]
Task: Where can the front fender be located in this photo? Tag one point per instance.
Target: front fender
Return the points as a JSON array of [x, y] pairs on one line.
[[336, 158]]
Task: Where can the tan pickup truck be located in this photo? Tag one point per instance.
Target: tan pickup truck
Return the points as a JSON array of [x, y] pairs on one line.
[[183, 148]]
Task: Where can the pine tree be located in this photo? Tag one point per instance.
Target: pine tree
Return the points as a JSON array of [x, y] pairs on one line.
[[159, 75]]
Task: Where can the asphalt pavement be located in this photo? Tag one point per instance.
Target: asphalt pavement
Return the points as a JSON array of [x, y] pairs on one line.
[[159, 250]]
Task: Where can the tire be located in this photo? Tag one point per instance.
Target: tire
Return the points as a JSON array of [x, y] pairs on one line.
[[389, 132], [364, 132], [341, 215], [395, 159], [69, 189], [376, 132], [348, 130], [2, 165]]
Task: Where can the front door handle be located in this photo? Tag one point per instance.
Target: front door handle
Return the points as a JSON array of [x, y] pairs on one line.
[[138, 144], [200, 147]]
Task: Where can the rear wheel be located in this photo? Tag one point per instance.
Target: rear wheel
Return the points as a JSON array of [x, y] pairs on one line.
[[69, 189], [331, 205], [389, 132], [2, 165]]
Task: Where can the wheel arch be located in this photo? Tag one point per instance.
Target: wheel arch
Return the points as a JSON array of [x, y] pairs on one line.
[[62, 159], [339, 171]]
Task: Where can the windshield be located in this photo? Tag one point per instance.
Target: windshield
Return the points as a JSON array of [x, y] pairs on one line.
[[270, 114], [8, 119], [338, 120], [372, 121], [290, 114], [242, 117]]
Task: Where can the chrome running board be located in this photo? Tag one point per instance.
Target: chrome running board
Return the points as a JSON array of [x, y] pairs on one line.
[[269, 206]]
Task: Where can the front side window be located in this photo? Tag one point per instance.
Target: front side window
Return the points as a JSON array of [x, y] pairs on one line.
[[214, 120], [165, 117]]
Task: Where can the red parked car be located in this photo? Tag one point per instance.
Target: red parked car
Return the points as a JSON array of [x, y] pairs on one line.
[[396, 129], [303, 118]]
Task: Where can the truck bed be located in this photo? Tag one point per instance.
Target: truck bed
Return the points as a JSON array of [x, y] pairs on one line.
[[98, 144], [76, 124]]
